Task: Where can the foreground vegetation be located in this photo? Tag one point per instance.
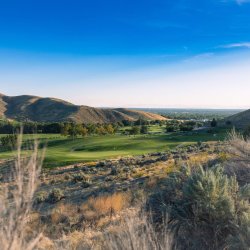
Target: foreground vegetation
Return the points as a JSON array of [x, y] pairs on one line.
[[194, 197]]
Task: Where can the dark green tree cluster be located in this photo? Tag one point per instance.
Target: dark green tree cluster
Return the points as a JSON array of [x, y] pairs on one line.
[[136, 130], [144, 129], [67, 128], [175, 125], [187, 126], [172, 126], [8, 127], [8, 142], [213, 123], [73, 129], [140, 122]]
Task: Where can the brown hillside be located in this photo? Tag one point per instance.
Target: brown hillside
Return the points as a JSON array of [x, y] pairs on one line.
[[240, 120], [39, 109], [141, 114], [2, 106]]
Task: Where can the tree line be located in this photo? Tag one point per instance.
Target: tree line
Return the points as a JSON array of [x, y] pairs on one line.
[[64, 128], [69, 128]]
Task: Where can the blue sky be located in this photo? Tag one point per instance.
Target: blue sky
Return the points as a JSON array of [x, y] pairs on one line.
[[133, 53]]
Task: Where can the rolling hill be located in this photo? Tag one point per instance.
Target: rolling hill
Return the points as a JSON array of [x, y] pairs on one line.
[[239, 120], [34, 108]]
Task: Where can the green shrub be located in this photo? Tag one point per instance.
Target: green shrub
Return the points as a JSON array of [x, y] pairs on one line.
[[79, 177], [114, 171], [55, 195], [8, 142], [207, 209], [41, 196], [82, 178], [86, 183]]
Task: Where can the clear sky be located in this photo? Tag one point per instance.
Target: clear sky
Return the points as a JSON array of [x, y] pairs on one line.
[[130, 53]]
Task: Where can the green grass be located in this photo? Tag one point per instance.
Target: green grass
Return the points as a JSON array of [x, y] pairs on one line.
[[62, 151], [154, 129], [38, 136]]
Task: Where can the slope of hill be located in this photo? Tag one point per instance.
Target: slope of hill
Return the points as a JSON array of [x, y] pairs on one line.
[[39, 109], [240, 120]]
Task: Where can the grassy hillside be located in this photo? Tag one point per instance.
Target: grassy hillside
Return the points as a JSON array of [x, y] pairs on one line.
[[39, 109]]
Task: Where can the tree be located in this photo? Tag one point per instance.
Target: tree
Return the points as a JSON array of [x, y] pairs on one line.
[[144, 129], [213, 123], [9, 141], [76, 129], [185, 127], [65, 129], [100, 130], [110, 129], [83, 131], [135, 130], [170, 128], [91, 128]]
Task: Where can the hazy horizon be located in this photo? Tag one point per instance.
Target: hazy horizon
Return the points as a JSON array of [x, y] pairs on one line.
[[138, 108], [161, 54]]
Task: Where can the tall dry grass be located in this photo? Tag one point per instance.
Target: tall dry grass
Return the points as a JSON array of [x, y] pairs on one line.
[[107, 204], [133, 231], [239, 163], [138, 233], [16, 201]]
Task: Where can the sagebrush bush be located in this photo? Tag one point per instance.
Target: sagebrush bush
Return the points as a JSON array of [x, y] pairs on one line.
[[41, 196], [55, 195], [81, 177], [207, 209]]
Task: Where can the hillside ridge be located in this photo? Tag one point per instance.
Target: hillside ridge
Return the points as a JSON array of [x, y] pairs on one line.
[[239, 120], [47, 109]]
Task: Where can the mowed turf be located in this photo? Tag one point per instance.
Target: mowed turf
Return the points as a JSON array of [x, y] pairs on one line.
[[62, 151]]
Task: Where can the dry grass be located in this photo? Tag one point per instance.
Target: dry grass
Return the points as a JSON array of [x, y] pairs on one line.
[[239, 163], [63, 210], [46, 243], [106, 205], [16, 202], [136, 232], [130, 230], [199, 159], [151, 182]]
